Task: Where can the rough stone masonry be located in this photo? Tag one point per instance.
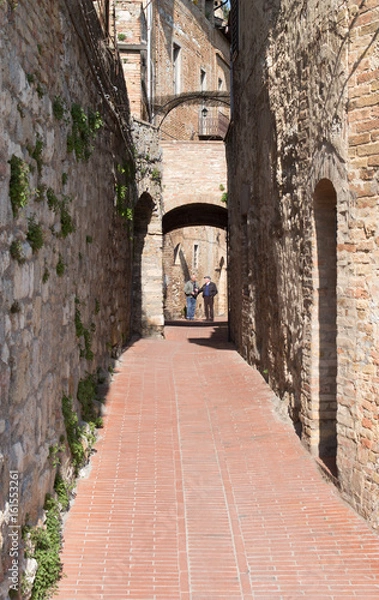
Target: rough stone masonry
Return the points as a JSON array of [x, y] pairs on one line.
[[65, 233], [304, 230]]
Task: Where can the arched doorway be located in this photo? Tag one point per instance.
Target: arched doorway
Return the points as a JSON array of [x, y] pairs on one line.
[[199, 231], [324, 323]]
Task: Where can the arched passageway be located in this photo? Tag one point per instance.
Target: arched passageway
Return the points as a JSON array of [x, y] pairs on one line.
[[324, 320], [194, 241], [199, 213]]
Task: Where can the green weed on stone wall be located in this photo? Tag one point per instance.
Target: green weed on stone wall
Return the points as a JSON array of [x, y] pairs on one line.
[[85, 127], [44, 544], [19, 190], [34, 234]]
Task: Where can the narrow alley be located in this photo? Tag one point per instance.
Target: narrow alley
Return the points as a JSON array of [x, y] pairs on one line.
[[199, 490]]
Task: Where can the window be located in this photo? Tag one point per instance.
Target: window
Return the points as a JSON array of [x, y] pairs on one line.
[[177, 252], [195, 262], [203, 80], [176, 63]]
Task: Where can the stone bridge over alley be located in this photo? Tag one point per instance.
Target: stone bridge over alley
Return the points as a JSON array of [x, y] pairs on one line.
[[200, 490]]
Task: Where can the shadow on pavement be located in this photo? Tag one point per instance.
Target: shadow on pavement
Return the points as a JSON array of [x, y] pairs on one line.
[[195, 323], [217, 338]]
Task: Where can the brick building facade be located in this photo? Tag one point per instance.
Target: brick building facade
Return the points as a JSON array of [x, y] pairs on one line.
[[304, 251], [169, 49], [201, 250]]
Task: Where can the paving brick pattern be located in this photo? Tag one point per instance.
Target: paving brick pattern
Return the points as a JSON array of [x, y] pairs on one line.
[[200, 491]]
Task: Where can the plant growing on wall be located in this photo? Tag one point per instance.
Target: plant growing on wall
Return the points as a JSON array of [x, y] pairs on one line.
[[86, 352], [52, 200], [17, 252], [81, 331], [44, 545], [62, 490], [46, 275], [40, 193], [60, 206], [74, 433], [67, 224], [87, 395], [61, 267], [84, 130], [19, 190], [34, 234], [123, 204], [55, 454], [36, 153], [156, 175], [40, 90], [59, 108]]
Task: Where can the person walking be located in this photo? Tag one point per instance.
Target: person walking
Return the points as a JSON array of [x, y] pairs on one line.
[[191, 290], [209, 290]]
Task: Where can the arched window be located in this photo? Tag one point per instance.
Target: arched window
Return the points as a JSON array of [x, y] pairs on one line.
[[324, 320], [177, 250]]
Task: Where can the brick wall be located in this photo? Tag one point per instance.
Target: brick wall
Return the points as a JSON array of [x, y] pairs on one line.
[[302, 158], [130, 38], [48, 63], [193, 172], [201, 48], [358, 255]]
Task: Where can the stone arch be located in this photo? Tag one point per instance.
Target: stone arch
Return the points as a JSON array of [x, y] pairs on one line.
[[324, 323], [203, 226], [198, 213]]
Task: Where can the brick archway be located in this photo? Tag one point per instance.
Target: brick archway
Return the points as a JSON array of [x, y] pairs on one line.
[[324, 322], [201, 230], [195, 214]]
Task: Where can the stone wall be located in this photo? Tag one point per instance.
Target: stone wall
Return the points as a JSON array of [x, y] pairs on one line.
[[147, 262], [303, 189], [66, 161]]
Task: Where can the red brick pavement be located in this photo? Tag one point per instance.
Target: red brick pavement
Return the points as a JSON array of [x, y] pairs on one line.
[[199, 491]]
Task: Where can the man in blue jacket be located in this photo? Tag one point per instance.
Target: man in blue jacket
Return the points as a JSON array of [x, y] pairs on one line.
[[209, 290]]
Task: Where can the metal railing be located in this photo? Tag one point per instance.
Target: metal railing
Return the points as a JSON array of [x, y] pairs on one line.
[[213, 126]]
